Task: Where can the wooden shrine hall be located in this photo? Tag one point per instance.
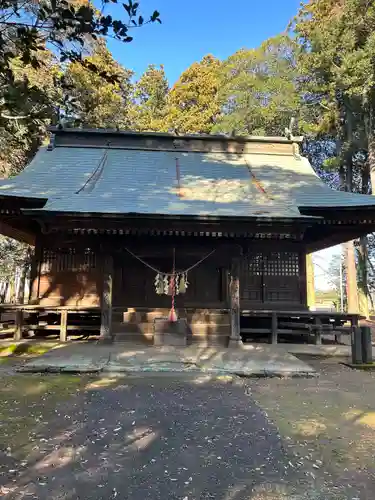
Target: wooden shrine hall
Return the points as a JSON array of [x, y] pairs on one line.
[[143, 229]]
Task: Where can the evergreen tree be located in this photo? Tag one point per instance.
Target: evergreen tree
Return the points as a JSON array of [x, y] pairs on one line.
[[150, 100], [193, 101]]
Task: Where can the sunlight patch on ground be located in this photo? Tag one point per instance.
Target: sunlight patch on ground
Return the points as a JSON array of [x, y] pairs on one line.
[[367, 419], [265, 491], [310, 427], [101, 383], [141, 438], [60, 457]]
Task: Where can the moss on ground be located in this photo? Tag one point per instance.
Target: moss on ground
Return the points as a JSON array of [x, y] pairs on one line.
[[34, 348]]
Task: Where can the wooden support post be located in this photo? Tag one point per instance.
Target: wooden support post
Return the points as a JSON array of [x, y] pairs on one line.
[[274, 328], [351, 279], [318, 331], [234, 297], [106, 316], [310, 282], [63, 325], [18, 325]]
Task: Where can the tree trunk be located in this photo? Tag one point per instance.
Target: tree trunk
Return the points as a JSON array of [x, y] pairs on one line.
[[351, 272], [371, 148], [362, 253], [362, 277], [24, 272], [4, 291]]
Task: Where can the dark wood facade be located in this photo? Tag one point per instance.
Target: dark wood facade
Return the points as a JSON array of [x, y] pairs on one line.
[[72, 270]]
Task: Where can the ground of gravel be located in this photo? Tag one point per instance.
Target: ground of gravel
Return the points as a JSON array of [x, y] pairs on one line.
[[327, 423], [187, 437]]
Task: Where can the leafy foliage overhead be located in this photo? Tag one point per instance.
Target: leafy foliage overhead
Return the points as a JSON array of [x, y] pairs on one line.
[[258, 89]]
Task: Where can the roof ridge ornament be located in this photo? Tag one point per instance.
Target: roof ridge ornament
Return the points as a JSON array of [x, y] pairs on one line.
[[51, 144], [289, 135]]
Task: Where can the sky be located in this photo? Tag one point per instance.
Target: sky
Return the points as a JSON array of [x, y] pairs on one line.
[[192, 29]]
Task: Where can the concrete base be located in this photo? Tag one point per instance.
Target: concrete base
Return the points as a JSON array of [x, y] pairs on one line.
[[105, 340], [170, 334], [235, 343], [248, 361]]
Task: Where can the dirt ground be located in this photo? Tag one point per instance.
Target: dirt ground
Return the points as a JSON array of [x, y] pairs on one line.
[[328, 423]]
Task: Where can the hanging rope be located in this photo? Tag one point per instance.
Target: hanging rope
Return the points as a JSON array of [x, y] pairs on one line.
[[174, 272], [172, 313]]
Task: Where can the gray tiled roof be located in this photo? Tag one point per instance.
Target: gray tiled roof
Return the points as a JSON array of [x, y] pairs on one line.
[[125, 181]]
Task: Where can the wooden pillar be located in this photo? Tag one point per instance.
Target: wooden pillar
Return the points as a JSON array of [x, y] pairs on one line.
[[234, 297], [63, 325], [274, 328], [106, 305], [18, 325], [318, 331], [310, 282], [351, 279]]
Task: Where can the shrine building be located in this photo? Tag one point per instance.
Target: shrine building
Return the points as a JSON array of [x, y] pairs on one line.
[[134, 227]]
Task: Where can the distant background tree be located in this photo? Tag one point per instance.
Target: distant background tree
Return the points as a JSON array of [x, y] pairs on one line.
[[150, 93], [93, 101], [258, 92], [192, 102]]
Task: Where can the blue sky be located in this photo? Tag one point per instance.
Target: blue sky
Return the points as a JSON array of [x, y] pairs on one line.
[[192, 29]]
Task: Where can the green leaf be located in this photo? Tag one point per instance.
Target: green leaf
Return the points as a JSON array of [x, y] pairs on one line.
[[155, 16], [127, 8]]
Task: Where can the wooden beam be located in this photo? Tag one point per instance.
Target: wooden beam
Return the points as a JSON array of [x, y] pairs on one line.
[[17, 234], [106, 305], [234, 297], [316, 242]]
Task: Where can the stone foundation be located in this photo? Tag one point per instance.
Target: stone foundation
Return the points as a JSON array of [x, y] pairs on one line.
[[206, 326]]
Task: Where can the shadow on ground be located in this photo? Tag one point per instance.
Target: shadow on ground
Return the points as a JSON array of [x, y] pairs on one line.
[[139, 438]]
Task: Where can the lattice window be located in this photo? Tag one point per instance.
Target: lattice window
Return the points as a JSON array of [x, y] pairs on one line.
[[270, 277], [281, 264], [255, 264], [67, 260], [89, 261], [48, 261]]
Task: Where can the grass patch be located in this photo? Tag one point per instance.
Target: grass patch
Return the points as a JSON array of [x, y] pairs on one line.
[[25, 349], [361, 366]]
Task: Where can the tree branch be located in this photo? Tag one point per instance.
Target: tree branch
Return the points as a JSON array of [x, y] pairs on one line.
[[19, 117]]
